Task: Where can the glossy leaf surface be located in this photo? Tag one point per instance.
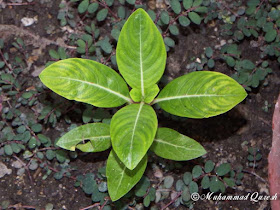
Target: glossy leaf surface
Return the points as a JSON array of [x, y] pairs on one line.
[[120, 179], [86, 81], [172, 145], [141, 54], [133, 129], [200, 95], [97, 133]]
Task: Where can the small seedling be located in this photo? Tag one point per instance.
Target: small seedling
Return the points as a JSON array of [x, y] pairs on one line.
[[141, 59]]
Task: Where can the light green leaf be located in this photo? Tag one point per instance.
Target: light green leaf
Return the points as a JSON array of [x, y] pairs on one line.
[[86, 81], [97, 133], [133, 129], [172, 145], [200, 95], [136, 95], [120, 179], [141, 55]]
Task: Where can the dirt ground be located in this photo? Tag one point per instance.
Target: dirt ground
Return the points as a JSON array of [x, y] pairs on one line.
[[226, 137]]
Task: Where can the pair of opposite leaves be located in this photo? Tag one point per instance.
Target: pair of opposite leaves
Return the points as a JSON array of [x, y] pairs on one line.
[[141, 59]]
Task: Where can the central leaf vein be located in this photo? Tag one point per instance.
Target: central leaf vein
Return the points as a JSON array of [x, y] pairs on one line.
[[141, 64], [96, 85], [133, 132]]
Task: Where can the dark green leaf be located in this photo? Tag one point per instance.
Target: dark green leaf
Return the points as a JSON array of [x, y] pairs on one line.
[[92, 8], [102, 14], [83, 6], [209, 166], [184, 21], [196, 171], [168, 182], [223, 169], [176, 6], [187, 178]]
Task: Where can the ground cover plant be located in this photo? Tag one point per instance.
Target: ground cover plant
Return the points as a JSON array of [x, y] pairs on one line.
[[141, 58]]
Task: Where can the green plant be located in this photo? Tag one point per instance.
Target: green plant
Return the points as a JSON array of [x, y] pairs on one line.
[[141, 58]]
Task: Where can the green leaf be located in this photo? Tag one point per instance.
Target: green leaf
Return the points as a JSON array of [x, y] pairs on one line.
[[230, 61], [86, 81], [193, 187], [54, 54], [209, 52], [102, 14], [247, 64], [8, 149], [174, 30], [83, 6], [120, 179], [121, 12], [270, 35], [195, 18], [209, 166], [169, 42], [205, 182], [141, 55], [201, 94], [184, 21], [168, 182], [176, 6], [172, 145], [223, 169], [133, 129], [152, 92], [164, 17], [187, 4], [187, 178], [196, 171], [197, 3], [132, 2], [211, 63], [92, 8], [97, 133]]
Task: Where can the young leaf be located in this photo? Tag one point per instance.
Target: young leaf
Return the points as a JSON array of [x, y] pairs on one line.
[[201, 94], [141, 54], [97, 133], [86, 81], [136, 95], [133, 129], [172, 145], [120, 179]]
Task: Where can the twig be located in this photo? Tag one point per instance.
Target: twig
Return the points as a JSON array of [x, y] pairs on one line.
[[91, 206], [256, 175], [172, 201], [20, 4], [5, 61], [106, 201], [25, 166]]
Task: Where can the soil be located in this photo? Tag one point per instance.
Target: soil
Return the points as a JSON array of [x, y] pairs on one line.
[[226, 137]]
